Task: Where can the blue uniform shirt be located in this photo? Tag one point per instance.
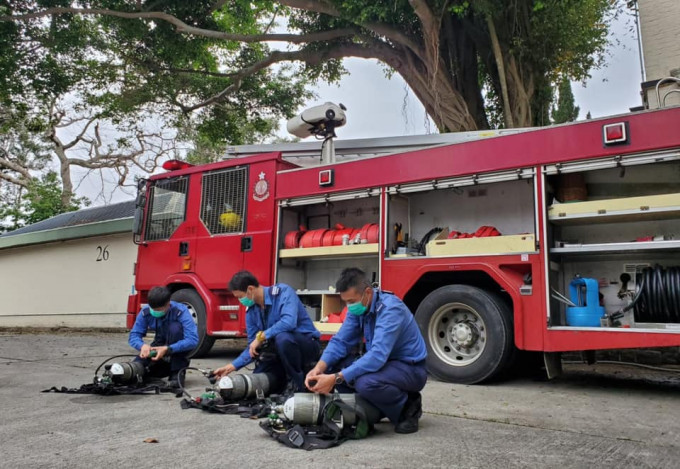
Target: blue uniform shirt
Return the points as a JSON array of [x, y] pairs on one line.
[[390, 331], [177, 312], [284, 312]]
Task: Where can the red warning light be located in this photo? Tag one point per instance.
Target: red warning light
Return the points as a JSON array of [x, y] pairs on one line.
[[326, 177], [174, 165], [615, 133]]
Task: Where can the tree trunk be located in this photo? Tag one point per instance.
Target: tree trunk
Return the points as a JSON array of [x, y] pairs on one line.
[[459, 52], [434, 89], [520, 85], [498, 55], [65, 173]]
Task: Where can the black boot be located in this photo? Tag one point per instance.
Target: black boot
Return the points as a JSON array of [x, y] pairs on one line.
[[176, 380], [412, 411]]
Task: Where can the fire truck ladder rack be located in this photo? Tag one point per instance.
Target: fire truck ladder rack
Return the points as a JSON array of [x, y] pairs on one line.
[[348, 150]]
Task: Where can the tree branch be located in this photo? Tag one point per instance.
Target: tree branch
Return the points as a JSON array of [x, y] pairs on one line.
[[380, 29], [79, 137], [316, 6], [13, 180], [6, 163], [424, 13], [310, 57], [184, 28]]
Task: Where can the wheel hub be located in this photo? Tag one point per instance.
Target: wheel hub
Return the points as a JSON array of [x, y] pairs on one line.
[[463, 334], [457, 334]]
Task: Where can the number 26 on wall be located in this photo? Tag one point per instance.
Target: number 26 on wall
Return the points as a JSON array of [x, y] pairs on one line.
[[102, 253]]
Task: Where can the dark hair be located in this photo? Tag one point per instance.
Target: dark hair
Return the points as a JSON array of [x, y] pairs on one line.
[[158, 297], [352, 277], [242, 280]]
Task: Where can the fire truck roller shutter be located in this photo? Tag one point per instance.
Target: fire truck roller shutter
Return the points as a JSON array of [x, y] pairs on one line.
[[192, 300], [468, 332]]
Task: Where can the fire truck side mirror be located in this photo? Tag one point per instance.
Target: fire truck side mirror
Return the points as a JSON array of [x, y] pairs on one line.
[[137, 222], [317, 120]]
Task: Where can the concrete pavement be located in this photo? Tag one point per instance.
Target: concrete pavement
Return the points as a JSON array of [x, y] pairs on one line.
[[607, 416]]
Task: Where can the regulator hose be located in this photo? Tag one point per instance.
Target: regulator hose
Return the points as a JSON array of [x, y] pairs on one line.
[[658, 296]]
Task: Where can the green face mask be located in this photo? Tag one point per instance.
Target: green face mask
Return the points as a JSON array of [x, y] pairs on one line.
[[358, 308], [156, 314], [247, 302]]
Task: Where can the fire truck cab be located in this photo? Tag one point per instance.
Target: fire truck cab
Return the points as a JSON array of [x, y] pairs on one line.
[[558, 239]]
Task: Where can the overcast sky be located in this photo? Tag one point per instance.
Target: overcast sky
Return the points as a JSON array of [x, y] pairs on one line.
[[378, 106]]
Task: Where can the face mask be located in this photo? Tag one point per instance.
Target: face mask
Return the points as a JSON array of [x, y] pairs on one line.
[[358, 308], [247, 302], [156, 314]]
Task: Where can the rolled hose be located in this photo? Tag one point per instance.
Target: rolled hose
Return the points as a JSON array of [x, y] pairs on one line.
[[658, 296]]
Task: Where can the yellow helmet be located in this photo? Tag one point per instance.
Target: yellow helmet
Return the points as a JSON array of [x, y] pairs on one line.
[[230, 220]]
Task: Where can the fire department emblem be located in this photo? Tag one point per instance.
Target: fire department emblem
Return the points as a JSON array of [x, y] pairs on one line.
[[261, 191]]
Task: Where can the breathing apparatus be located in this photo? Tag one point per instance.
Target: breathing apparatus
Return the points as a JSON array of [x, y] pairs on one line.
[[121, 373], [311, 409]]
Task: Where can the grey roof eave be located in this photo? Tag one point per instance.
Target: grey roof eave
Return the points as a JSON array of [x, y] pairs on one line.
[[120, 225]]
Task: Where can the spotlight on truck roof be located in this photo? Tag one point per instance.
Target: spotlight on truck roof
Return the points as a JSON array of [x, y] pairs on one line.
[[320, 121]]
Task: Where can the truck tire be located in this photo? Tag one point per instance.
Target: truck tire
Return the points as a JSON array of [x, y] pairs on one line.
[[468, 332], [192, 300]]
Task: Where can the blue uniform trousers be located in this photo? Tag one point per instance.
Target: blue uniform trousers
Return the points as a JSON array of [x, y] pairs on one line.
[[173, 363], [296, 354], [387, 389]]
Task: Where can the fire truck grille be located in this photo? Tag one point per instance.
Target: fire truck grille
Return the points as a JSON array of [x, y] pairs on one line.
[[223, 203], [168, 208]]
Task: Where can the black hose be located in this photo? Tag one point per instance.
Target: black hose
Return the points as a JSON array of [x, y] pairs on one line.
[[658, 296], [425, 239]]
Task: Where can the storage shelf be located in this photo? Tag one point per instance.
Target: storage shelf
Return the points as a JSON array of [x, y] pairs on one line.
[[618, 247], [653, 207], [327, 328], [315, 292], [331, 251], [508, 244]]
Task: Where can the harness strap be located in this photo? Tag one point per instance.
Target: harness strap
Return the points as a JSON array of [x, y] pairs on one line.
[[91, 388]]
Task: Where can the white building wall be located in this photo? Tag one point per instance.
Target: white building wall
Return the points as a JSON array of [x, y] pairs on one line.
[[660, 31], [77, 283]]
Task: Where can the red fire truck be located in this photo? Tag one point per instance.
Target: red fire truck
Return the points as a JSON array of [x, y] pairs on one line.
[[558, 239]]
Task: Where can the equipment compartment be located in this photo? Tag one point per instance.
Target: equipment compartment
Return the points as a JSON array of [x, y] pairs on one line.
[[623, 228], [337, 234], [463, 221]]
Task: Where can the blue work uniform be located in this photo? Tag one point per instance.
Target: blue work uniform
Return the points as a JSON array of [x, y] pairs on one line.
[[176, 329], [284, 321], [394, 362]]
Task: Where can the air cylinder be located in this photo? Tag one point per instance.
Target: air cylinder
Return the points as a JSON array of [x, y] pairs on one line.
[[308, 409], [242, 386]]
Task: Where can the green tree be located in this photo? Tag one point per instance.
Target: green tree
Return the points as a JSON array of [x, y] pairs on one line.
[[43, 199], [448, 51], [566, 110], [39, 200], [107, 94]]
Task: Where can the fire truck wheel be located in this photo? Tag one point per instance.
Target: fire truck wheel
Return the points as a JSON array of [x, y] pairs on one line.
[[468, 332], [192, 300]]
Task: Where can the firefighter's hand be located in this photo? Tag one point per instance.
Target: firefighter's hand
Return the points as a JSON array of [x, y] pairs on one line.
[[224, 371], [324, 384], [254, 345], [310, 379], [160, 352], [144, 351]]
